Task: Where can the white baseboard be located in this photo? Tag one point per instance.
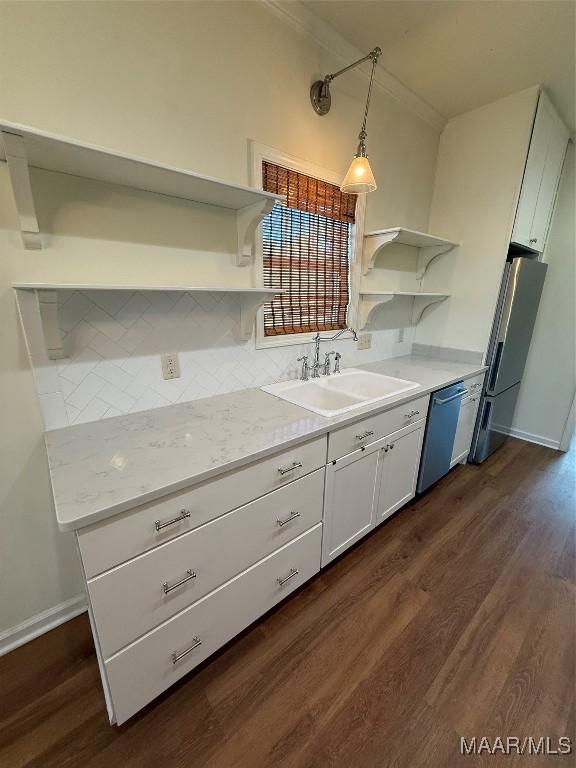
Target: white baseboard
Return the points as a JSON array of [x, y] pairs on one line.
[[34, 627], [531, 438]]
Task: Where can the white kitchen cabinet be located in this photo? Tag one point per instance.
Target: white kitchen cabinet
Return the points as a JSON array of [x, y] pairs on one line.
[[155, 661], [400, 460], [351, 493], [176, 574], [541, 177], [465, 429], [365, 487]]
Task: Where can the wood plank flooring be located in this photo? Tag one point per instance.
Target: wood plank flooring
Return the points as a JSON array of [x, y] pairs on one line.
[[454, 618]]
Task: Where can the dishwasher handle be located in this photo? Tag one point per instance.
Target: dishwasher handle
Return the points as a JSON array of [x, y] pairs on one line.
[[452, 397]]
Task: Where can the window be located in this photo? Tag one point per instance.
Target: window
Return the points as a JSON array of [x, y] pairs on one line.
[[307, 244]]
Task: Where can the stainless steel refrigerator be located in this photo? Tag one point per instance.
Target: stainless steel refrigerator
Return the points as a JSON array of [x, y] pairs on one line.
[[509, 344]]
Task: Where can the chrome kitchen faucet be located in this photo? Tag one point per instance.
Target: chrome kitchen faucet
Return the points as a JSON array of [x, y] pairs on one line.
[[315, 367]]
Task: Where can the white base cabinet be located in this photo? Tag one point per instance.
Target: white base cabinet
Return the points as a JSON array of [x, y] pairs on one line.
[[399, 469], [144, 669], [172, 581], [351, 486], [367, 486]]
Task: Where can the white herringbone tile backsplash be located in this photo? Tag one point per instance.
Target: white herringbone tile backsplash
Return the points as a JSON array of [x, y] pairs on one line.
[[114, 340]]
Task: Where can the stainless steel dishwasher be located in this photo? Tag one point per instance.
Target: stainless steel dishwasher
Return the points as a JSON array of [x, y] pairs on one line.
[[440, 433]]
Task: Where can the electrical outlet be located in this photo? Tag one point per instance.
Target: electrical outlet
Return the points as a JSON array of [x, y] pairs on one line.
[[364, 341], [170, 366]]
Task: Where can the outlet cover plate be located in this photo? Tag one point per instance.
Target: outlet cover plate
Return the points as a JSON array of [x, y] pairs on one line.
[[170, 366], [364, 341]]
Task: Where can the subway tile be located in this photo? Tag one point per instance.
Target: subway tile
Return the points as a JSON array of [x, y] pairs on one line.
[[53, 410], [94, 411], [105, 323], [112, 374], [85, 391], [116, 398]]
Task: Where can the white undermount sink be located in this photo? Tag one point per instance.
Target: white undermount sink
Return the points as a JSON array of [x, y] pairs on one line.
[[332, 395]]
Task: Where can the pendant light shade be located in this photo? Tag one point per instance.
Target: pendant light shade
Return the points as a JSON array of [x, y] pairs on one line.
[[359, 178]]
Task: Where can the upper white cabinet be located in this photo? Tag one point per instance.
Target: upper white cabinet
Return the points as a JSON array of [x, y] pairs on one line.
[[541, 177]]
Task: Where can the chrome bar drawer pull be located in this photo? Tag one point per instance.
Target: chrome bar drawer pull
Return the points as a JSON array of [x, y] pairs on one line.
[[291, 468], [364, 435], [184, 513], [291, 516], [411, 414], [177, 656], [293, 572], [168, 588]]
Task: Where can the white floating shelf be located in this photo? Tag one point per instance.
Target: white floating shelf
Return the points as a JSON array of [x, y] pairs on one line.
[[370, 300], [38, 308], [139, 287], [24, 147], [429, 246]]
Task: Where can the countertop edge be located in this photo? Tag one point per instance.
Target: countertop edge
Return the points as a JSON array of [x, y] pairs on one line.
[[86, 520]]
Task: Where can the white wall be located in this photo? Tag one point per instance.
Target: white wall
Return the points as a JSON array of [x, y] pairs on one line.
[[183, 83], [549, 380], [480, 165]]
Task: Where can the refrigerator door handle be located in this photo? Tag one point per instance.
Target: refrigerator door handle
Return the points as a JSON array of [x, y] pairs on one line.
[[486, 415], [511, 288], [496, 365]]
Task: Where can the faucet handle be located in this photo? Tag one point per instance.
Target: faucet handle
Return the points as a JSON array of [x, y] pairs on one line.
[[305, 367], [327, 363], [337, 358]]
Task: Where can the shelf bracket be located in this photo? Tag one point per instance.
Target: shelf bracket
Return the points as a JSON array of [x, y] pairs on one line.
[[48, 304], [421, 304], [249, 306], [19, 171], [428, 254], [372, 247], [367, 307], [38, 312], [247, 220]]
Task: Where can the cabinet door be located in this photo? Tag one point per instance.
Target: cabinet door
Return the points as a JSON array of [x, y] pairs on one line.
[[541, 177], [400, 463], [351, 488], [465, 429], [557, 144]]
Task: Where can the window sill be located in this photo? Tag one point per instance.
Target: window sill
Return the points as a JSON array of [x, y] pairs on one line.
[[283, 340]]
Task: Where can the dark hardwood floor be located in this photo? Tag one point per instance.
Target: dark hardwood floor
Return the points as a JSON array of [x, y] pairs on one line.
[[455, 618]]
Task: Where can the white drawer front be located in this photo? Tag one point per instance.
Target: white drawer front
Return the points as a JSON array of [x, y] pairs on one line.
[[140, 672], [474, 384], [111, 542], [465, 428], [350, 438], [131, 599]]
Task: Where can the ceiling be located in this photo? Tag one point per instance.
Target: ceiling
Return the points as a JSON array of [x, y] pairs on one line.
[[461, 54]]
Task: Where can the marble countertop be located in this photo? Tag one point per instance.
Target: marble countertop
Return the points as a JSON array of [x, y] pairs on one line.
[[106, 467]]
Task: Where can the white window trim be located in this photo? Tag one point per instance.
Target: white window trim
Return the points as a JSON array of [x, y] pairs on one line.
[[257, 154]]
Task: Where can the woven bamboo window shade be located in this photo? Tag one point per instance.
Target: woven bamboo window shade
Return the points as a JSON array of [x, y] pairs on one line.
[[306, 249]]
